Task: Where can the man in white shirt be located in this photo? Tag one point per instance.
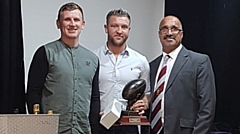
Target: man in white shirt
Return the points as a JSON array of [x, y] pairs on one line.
[[120, 64]]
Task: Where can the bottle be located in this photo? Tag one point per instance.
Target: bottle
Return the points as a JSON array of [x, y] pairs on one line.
[[36, 109], [50, 112]]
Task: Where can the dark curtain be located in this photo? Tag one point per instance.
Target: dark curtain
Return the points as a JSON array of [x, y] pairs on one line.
[[213, 27], [12, 88]]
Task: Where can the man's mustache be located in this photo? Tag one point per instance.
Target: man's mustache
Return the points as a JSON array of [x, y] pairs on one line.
[[169, 36]]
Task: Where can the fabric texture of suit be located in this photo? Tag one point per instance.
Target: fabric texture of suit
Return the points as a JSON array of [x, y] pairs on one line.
[[190, 97]]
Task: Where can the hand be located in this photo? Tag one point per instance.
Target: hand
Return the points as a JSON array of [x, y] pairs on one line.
[[140, 105], [101, 113]]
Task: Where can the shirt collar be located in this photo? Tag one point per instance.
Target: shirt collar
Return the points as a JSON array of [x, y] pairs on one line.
[[174, 53], [124, 52]]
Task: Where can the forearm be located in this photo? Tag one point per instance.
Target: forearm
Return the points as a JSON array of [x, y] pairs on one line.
[[95, 105], [36, 78]]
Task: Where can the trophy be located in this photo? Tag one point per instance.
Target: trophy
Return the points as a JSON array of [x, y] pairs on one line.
[[133, 91]]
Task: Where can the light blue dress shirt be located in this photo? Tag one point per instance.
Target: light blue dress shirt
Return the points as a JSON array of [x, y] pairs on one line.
[[116, 73]]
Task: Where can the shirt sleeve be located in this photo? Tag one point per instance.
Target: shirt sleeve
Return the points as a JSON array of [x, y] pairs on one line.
[[206, 94], [95, 104], [145, 74], [36, 77]]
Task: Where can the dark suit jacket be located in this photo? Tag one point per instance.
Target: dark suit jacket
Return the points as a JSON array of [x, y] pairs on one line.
[[190, 97]]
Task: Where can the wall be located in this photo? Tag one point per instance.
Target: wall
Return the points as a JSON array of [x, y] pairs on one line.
[[39, 24]]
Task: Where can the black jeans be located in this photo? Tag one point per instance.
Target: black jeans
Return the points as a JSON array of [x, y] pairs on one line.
[[162, 131], [119, 130]]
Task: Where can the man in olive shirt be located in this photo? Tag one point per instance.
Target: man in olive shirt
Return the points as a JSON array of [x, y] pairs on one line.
[[63, 77]]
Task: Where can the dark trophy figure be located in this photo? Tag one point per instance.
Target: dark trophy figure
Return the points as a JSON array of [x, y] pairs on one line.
[[133, 91]]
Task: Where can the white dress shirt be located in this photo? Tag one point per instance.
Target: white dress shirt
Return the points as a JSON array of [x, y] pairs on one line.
[[173, 56], [116, 73]]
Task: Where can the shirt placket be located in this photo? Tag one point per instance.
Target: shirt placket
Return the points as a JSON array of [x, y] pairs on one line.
[[75, 82]]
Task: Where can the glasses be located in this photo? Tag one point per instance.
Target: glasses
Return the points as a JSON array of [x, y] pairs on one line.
[[173, 30]]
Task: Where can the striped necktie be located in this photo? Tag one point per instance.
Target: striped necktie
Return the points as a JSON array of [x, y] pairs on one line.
[[156, 122]]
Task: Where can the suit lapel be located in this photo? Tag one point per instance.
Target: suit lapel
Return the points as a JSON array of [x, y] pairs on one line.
[[154, 68], [178, 65]]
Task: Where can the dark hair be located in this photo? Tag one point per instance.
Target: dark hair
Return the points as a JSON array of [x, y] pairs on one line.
[[70, 6], [118, 12]]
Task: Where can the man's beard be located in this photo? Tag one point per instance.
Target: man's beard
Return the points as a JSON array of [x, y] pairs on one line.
[[117, 43]]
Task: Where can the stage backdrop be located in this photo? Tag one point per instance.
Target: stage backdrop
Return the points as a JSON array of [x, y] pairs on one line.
[[212, 27], [11, 58], [39, 21]]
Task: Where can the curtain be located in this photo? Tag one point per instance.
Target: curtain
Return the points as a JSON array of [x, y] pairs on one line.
[[212, 27], [12, 87]]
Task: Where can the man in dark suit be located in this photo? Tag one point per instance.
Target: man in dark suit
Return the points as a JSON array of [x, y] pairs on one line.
[[188, 98]]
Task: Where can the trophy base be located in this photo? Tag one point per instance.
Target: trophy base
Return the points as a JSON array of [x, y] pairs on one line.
[[132, 118]]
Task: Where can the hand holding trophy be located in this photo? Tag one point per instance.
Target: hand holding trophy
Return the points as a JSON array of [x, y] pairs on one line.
[[133, 91]]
